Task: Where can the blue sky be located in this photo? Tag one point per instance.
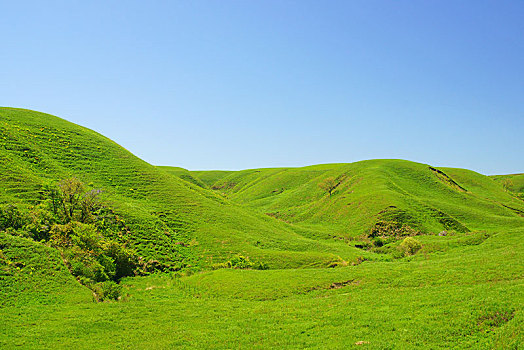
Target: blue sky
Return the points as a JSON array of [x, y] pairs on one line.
[[246, 84]]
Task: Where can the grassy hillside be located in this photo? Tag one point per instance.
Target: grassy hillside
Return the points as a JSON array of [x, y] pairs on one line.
[[171, 219], [513, 183], [426, 198], [398, 282]]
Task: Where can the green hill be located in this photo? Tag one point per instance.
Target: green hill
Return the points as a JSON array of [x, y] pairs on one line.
[[513, 183], [419, 195], [172, 220], [420, 257]]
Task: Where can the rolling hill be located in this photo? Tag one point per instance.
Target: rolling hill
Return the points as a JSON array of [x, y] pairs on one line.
[[427, 198], [419, 256], [166, 214]]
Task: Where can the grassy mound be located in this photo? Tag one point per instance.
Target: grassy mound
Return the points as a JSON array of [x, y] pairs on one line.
[[422, 197]]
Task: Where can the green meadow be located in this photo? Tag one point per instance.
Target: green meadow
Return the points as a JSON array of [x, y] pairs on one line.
[[101, 250]]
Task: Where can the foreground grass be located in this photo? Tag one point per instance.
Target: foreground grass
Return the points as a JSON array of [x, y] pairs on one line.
[[393, 317], [471, 297], [462, 289]]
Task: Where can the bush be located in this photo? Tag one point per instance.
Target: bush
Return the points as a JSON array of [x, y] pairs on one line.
[[328, 185], [69, 200], [260, 266], [11, 217], [40, 223], [378, 242], [90, 256], [241, 262], [124, 259], [72, 219], [410, 246], [108, 290]]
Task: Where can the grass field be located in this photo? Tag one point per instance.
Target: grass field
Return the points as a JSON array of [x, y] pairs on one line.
[[399, 255]]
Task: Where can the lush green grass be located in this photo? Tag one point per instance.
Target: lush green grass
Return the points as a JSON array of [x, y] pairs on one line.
[[460, 290], [162, 210], [416, 194], [513, 183], [469, 299]]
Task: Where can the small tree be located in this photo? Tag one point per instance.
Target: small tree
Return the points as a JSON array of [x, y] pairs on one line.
[[507, 184], [70, 195], [71, 202], [89, 204], [328, 185]]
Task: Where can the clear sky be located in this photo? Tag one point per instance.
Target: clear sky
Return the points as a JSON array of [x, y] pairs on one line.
[[245, 84]]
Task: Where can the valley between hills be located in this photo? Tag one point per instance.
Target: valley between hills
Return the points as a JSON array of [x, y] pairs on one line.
[[100, 249]]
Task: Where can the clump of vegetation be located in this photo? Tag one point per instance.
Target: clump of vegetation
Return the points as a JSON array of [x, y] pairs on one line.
[[409, 246], [11, 217], [507, 184], [71, 201], [490, 320], [92, 258], [391, 229], [72, 219], [329, 184], [358, 260], [224, 186], [447, 180], [241, 262], [108, 290]]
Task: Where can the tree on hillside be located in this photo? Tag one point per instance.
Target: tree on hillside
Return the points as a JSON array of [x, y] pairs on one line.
[[329, 184], [71, 201], [507, 184]]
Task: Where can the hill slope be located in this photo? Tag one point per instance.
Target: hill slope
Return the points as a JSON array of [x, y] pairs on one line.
[[419, 195], [459, 290], [513, 183], [171, 220]]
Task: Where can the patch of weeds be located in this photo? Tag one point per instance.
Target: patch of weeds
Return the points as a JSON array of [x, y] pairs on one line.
[[395, 229], [338, 263], [358, 260], [224, 186], [490, 320], [241, 262], [107, 290]]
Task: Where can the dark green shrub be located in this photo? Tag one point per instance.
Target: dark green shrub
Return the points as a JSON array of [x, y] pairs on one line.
[[108, 290], [40, 223], [378, 242], [86, 237], [11, 216], [259, 265], [109, 266], [91, 257], [124, 259], [79, 269]]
